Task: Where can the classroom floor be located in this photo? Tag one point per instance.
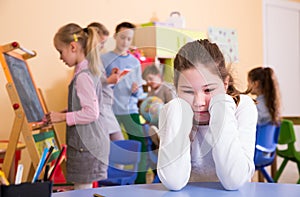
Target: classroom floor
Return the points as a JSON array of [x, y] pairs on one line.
[[289, 175]]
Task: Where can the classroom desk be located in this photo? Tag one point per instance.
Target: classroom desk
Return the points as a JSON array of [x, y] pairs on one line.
[[254, 189]]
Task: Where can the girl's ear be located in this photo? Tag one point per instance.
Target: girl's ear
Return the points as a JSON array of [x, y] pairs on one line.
[[73, 46], [226, 82], [256, 86]]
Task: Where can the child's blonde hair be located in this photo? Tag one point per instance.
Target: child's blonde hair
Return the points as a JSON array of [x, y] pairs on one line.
[[88, 38]]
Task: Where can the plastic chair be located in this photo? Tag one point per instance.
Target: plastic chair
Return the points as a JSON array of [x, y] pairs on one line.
[[124, 158], [287, 137], [265, 148]]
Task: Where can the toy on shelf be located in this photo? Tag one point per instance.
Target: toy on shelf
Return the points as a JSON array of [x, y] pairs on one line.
[[139, 54]]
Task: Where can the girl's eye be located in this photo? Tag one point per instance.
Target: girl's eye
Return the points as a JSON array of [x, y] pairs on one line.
[[188, 91], [208, 90]]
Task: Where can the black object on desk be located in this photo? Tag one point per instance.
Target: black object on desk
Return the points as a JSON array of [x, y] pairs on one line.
[[37, 189]]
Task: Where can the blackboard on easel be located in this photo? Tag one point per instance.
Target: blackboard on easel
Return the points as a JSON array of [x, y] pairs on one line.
[[25, 88], [28, 105]]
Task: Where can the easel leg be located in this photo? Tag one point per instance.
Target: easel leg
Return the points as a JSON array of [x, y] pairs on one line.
[[12, 145]]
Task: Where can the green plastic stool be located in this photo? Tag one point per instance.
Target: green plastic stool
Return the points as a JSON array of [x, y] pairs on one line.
[[287, 137]]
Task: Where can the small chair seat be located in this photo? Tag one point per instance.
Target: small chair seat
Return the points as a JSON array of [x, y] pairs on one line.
[[265, 147], [118, 177], [287, 154], [124, 158]]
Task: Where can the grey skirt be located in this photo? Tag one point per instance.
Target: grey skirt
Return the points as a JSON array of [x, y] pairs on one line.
[[84, 167]]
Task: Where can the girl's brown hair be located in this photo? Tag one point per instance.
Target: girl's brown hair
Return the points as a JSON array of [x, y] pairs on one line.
[[268, 86], [101, 29], [203, 52], [88, 38]]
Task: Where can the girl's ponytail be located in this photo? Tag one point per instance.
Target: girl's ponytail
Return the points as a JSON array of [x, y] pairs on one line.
[[92, 50]]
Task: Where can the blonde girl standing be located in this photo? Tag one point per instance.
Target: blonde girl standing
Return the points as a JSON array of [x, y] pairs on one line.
[[87, 141]]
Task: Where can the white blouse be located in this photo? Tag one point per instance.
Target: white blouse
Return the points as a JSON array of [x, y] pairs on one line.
[[222, 151]]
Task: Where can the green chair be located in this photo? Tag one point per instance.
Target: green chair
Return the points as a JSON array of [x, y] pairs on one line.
[[287, 137]]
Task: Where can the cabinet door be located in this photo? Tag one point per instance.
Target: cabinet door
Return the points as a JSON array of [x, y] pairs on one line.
[[282, 49]]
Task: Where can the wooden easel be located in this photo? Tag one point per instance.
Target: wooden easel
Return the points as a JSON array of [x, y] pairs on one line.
[[21, 122]]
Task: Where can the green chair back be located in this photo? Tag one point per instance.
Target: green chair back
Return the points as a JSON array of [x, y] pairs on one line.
[[287, 137], [287, 133]]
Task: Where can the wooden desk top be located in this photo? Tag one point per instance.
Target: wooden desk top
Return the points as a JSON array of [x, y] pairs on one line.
[[3, 146]]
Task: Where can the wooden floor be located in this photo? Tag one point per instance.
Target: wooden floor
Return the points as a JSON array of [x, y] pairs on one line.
[[290, 173]]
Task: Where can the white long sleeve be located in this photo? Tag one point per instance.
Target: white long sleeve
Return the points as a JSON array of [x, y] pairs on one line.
[[234, 149], [175, 124], [222, 151]]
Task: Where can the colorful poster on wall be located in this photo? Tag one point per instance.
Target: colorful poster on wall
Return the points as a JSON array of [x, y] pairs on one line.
[[227, 41]]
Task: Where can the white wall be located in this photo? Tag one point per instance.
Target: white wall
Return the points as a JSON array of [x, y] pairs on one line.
[[282, 49], [282, 52]]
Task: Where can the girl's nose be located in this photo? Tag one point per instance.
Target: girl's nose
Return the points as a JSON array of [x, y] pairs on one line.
[[199, 100]]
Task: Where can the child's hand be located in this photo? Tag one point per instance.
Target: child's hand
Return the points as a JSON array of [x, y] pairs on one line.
[[45, 120], [134, 87], [113, 78], [55, 117], [115, 70]]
